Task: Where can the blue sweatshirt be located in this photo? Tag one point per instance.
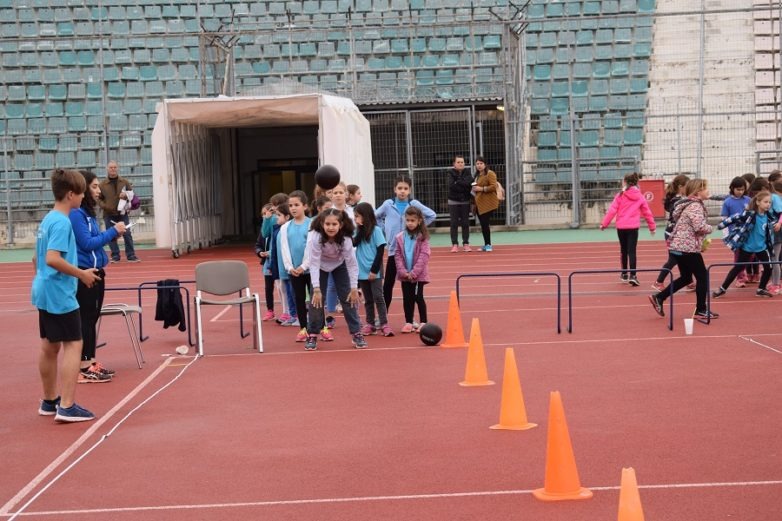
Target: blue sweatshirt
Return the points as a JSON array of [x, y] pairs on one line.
[[392, 221], [90, 240]]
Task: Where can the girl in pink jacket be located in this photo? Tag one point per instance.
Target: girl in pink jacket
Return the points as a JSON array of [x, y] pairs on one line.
[[412, 266], [628, 207]]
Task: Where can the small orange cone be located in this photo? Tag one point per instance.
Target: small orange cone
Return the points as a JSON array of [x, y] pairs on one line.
[[630, 508], [454, 331], [562, 481], [475, 374], [513, 414]]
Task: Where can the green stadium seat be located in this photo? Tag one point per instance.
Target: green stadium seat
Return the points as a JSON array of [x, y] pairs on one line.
[[580, 88], [559, 106], [604, 36], [547, 154], [93, 108], [541, 89], [631, 152], [639, 68], [540, 106], [598, 103], [613, 136], [74, 108], [584, 54], [620, 68], [636, 102], [617, 102], [642, 50], [588, 152], [612, 121], [628, 6], [639, 85], [548, 123], [580, 104], [542, 72], [623, 50], [167, 72], [58, 92], [77, 124], [646, 6], [633, 136], [591, 8], [547, 139], [560, 88], [582, 70], [604, 52], [564, 154], [598, 87], [642, 35], [635, 119], [560, 71], [536, 11], [193, 87], [132, 106], [619, 86], [547, 39]]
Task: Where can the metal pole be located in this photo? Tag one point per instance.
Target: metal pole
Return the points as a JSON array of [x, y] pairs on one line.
[[778, 87], [576, 183], [103, 88], [701, 73], [678, 140], [6, 169]]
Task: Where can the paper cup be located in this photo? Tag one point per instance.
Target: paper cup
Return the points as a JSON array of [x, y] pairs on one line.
[[183, 349], [688, 325]]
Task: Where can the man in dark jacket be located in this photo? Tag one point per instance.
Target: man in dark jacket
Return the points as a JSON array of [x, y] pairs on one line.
[[112, 190], [459, 199]]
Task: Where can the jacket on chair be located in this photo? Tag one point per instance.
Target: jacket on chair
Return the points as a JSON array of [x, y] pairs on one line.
[[169, 308]]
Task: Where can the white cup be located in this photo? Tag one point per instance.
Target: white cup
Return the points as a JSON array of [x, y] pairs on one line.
[[688, 324], [183, 349]]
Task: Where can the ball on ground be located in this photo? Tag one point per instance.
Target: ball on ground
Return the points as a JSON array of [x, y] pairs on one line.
[[430, 334], [327, 177]]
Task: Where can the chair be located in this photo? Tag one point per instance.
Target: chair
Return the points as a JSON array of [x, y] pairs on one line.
[[126, 311], [224, 278]]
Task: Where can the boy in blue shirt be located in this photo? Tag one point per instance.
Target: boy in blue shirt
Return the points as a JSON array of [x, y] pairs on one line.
[[54, 294]]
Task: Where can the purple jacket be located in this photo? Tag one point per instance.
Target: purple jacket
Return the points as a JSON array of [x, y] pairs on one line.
[[628, 207], [421, 254]]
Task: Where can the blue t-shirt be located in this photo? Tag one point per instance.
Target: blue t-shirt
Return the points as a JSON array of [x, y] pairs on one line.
[[756, 241], [297, 240], [409, 250], [53, 291], [366, 251], [733, 205]]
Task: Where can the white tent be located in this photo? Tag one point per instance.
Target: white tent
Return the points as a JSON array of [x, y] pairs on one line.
[[186, 162]]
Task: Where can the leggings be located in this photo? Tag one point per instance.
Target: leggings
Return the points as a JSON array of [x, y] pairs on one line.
[[268, 286], [485, 230], [460, 216], [90, 303], [745, 256], [690, 264], [669, 264], [301, 285], [775, 270], [412, 294], [374, 299], [628, 241], [388, 282]]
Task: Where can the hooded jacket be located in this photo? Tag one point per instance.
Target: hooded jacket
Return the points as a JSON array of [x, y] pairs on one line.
[[691, 226], [392, 222], [89, 239], [628, 207]]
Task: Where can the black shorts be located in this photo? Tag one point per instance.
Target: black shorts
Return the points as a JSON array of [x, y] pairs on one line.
[[60, 328]]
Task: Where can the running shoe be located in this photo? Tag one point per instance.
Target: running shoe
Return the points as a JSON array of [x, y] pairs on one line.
[[291, 322], [312, 343], [301, 336], [487, 248], [331, 323], [326, 335], [658, 286], [624, 277], [763, 293], [691, 287], [633, 282], [283, 318], [454, 249], [49, 408], [73, 414], [134, 259], [740, 284], [368, 329], [719, 292], [418, 326], [385, 330], [269, 315], [407, 328], [93, 376], [104, 370], [467, 248], [704, 315], [358, 341], [657, 305]]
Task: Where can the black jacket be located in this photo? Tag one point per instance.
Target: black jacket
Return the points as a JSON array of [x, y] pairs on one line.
[[459, 185], [169, 306]]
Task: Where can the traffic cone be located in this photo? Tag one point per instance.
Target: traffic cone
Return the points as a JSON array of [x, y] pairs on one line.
[[475, 374], [630, 508], [513, 414], [562, 481], [454, 331]]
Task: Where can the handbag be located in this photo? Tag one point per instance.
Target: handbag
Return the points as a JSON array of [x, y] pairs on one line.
[[135, 203], [500, 192]]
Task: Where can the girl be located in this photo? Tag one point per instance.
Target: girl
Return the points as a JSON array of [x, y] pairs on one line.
[[686, 244], [293, 240], [628, 207], [370, 246], [339, 196], [330, 251], [459, 199], [485, 191], [412, 265], [283, 214], [753, 236], [354, 195], [734, 204], [89, 246], [673, 194], [262, 251], [390, 217], [776, 208]]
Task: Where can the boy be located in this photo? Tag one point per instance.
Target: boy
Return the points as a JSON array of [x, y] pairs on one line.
[[54, 294]]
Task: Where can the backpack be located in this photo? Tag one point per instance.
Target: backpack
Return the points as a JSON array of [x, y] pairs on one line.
[[671, 224], [500, 192]]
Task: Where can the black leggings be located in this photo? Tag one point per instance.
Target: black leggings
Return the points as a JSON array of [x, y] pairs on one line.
[[628, 241], [412, 294], [388, 282], [301, 285], [746, 256], [669, 265], [90, 303], [690, 264], [268, 282], [485, 230], [460, 216]]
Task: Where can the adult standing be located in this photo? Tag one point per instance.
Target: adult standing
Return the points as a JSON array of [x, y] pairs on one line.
[[112, 190], [459, 199], [486, 200]]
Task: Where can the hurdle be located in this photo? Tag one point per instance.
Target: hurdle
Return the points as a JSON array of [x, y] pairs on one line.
[[723, 265]]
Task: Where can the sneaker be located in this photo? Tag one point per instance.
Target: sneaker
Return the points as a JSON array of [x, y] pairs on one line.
[[417, 327], [291, 321], [717, 293], [93, 376], [49, 408], [633, 282], [283, 318], [338, 309], [114, 259], [103, 370], [269, 315], [331, 323], [624, 277], [699, 315], [358, 341], [385, 330], [467, 248], [134, 259], [326, 335], [774, 289], [312, 343], [454, 249], [368, 329], [301, 336], [763, 293], [657, 305], [691, 287], [73, 414], [487, 248], [658, 286], [740, 284], [407, 328]]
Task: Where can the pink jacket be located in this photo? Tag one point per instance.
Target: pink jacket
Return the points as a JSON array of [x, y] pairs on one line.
[[421, 254], [628, 207]]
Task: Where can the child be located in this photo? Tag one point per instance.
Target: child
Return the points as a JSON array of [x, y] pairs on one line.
[[354, 195], [90, 242], [290, 318], [262, 247], [390, 217], [293, 241], [330, 251], [628, 207], [339, 201], [686, 244], [412, 265], [776, 209], [370, 246], [734, 204], [752, 236], [673, 194], [54, 294]]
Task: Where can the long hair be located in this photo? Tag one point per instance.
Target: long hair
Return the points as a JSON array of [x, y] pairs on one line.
[[757, 186], [482, 160], [675, 184], [753, 203], [368, 222], [88, 203], [421, 228], [694, 186], [632, 179], [346, 227], [737, 182]]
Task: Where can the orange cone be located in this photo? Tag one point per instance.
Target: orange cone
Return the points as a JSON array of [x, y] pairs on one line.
[[454, 332], [475, 374], [629, 500], [513, 414], [562, 481]]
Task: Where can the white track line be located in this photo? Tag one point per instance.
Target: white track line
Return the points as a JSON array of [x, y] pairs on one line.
[[220, 314], [315, 501], [760, 344], [79, 442]]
